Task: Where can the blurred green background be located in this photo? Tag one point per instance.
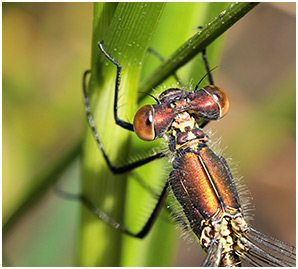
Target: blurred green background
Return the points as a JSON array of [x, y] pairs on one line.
[[46, 47]]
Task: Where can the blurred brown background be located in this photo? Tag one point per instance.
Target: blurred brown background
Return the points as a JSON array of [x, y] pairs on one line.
[[46, 47]]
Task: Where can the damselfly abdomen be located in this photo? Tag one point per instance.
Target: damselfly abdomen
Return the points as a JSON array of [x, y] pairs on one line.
[[200, 180]]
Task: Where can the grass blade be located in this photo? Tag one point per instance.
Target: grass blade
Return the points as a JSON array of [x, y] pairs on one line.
[[100, 245]]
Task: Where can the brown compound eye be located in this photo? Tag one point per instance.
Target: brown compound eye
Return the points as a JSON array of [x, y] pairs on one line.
[[143, 123], [220, 98]]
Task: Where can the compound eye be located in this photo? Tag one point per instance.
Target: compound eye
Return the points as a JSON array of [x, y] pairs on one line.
[[220, 98], [143, 123]]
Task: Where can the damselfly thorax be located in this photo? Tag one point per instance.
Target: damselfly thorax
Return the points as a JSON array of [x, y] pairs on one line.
[[200, 180]]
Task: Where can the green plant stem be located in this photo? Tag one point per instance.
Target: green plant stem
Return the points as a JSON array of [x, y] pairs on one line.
[[100, 244], [179, 58], [196, 44], [183, 55]]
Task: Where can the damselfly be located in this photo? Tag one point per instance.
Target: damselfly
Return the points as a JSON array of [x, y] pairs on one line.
[[200, 180]]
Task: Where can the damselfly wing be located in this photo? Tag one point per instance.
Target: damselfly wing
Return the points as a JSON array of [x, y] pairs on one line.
[[200, 180]]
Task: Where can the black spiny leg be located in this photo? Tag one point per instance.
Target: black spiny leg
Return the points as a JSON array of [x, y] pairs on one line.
[[116, 170], [123, 124], [208, 73], [105, 218], [204, 56], [161, 58]]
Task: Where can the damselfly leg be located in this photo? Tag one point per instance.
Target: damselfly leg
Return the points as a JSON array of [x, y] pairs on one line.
[[201, 180], [125, 168]]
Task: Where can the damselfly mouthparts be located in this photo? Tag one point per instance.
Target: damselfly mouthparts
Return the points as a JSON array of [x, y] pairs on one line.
[[200, 180]]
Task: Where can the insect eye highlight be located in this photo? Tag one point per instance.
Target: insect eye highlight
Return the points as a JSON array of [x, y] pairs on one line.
[[143, 123], [219, 97], [173, 104]]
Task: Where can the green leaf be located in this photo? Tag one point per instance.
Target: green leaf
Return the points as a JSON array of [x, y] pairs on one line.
[[197, 43], [127, 29], [110, 248], [159, 247], [126, 32], [127, 39]]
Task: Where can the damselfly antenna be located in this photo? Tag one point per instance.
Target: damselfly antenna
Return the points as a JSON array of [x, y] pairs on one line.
[[156, 100], [208, 73]]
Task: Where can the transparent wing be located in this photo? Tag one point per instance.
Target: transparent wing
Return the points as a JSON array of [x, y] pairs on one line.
[[267, 251], [213, 257]]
